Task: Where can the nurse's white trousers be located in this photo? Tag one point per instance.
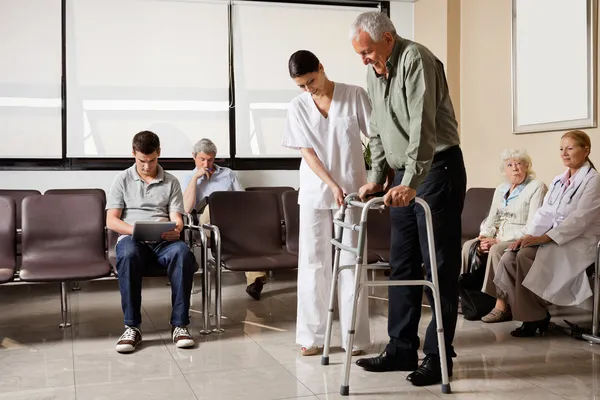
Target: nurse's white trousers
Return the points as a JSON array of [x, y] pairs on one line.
[[315, 267]]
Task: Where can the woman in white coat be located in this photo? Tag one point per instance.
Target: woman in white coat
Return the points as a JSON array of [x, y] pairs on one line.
[[549, 263], [325, 123]]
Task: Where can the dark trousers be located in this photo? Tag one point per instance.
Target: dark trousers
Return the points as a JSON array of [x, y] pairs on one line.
[[134, 259], [444, 191]]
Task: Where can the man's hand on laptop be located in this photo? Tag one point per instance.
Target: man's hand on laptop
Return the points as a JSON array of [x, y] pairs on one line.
[[171, 236]]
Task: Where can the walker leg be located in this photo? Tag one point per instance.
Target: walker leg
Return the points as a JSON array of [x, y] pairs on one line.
[[329, 327], [435, 290], [336, 265], [345, 389]]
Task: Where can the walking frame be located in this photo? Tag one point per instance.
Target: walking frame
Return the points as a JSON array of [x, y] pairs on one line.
[[352, 200]]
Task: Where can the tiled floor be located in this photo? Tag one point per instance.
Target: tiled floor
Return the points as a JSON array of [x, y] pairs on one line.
[[256, 358]]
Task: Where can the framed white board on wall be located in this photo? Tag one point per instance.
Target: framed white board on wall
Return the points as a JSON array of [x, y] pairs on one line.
[[554, 65]]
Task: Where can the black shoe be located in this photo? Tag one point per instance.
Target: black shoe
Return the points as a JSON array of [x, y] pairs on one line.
[[530, 329], [254, 289], [384, 363], [430, 372]]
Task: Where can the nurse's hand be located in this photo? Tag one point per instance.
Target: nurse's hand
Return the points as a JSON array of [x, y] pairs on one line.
[[399, 196], [338, 195], [369, 188]]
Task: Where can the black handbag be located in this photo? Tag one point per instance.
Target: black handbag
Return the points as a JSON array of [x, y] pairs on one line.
[[474, 303]]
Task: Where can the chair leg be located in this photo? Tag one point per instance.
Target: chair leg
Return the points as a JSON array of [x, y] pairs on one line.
[[205, 287], [373, 279], [218, 283], [209, 289], [194, 290], [192, 293], [64, 305]]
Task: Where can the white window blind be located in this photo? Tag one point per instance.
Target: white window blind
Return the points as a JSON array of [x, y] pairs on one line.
[[30, 79], [134, 65], [265, 36]]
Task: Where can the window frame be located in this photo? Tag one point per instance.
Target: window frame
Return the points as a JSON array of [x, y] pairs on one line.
[[115, 164]]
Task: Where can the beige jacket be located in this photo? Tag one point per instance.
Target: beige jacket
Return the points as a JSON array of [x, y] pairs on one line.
[[508, 223]]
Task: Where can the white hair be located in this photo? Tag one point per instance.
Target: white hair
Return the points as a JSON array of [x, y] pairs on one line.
[[516, 154], [374, 23], [205, 146]]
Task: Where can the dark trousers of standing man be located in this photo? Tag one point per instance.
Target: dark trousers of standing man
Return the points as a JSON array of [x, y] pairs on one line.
[[444, 190]]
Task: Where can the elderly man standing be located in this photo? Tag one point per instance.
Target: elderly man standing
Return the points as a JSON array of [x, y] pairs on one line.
[[414, 131], [206, 178]]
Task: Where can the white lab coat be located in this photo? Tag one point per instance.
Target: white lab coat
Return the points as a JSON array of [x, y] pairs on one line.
[[337, 143], [571, 218]]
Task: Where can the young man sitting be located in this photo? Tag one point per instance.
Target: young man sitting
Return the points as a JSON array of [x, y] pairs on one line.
[[140, 193]]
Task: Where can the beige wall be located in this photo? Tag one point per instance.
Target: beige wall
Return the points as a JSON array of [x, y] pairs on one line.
[[437, 26], [484, 85]]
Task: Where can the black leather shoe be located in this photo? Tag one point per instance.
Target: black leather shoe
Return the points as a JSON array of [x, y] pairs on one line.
[[254, 289], [384, 363], [430, 372]]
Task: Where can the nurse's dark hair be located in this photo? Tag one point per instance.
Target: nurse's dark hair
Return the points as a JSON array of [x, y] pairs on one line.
[[582, 140], [303, 62]]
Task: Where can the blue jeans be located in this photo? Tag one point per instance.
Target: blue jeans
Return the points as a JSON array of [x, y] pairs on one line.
[[134, 259]]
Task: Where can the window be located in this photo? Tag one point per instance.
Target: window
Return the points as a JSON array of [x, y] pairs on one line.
[[265, 36], [30, 79], [79, 78], [133, 65], [554, 71]]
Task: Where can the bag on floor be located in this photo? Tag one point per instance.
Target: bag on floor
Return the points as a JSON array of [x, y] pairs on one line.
[[474, 303]]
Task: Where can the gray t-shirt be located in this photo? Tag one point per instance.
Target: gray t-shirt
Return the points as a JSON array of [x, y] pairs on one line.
[[141, 201]]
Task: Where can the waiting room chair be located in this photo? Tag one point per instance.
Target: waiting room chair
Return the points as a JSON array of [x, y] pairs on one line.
[[278, 190], [379, 231], [8, 239], [63, 241], [94, 191], [475, 210], [250, 234], [291, 217], [18, 196]]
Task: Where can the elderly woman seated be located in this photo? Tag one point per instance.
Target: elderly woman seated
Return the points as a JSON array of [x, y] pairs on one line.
[[549, 263], [514, 204]]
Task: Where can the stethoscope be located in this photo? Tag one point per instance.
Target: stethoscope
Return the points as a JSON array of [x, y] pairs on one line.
[[552, 201]]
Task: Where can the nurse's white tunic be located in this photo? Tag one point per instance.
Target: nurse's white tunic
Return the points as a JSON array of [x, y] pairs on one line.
[[336, 142]]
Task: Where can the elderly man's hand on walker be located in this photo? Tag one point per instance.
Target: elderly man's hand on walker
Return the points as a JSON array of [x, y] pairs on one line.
[[399, 196]]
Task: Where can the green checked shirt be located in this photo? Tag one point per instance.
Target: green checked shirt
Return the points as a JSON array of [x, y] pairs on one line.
[[412, 118]]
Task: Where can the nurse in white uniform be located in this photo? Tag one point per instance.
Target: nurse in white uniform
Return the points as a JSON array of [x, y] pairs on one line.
[[552, 259], [325, 123]]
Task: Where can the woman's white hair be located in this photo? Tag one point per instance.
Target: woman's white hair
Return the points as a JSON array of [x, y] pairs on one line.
[[516, 154], [374, 23]]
